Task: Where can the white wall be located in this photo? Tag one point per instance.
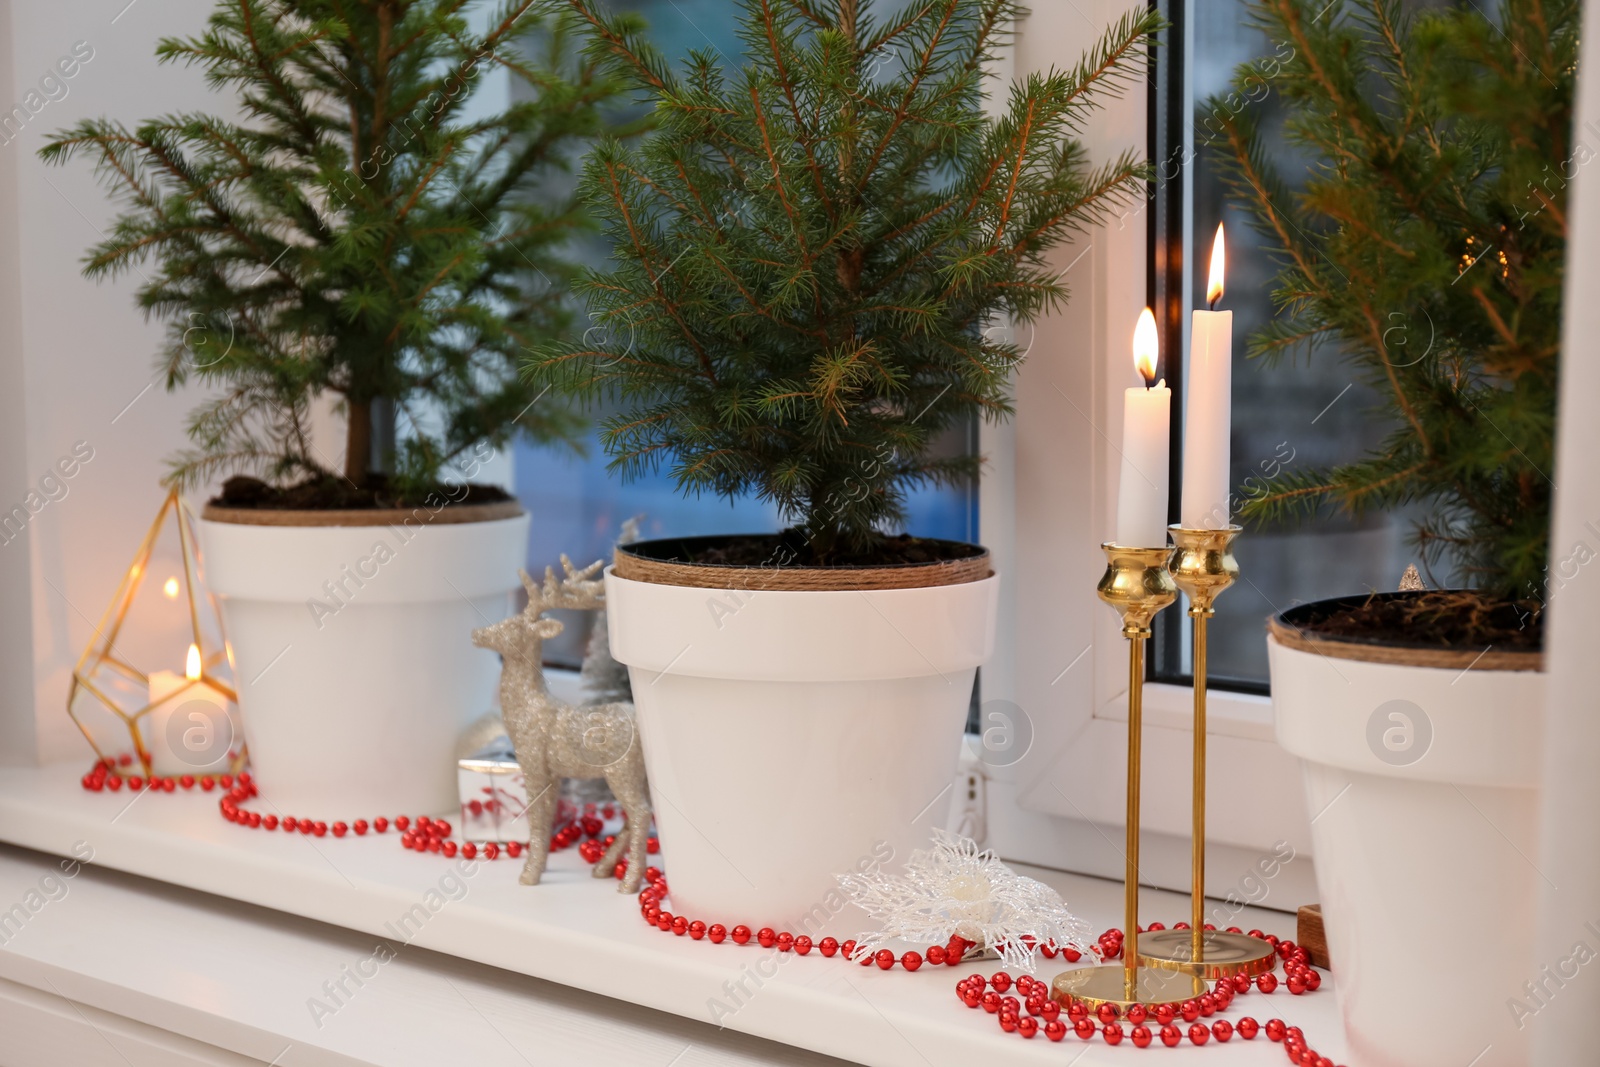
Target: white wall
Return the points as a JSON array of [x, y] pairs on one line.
[[16, 637], [78, 360], [1566, 1028]]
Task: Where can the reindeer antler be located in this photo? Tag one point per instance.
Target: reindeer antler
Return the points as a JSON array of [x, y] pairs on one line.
[[576, 590]]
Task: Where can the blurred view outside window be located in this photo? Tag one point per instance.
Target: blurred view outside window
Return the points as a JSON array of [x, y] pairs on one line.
[[1298, 413], [578, 506]]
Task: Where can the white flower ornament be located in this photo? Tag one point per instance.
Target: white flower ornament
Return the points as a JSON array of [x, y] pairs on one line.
[[955, 888]]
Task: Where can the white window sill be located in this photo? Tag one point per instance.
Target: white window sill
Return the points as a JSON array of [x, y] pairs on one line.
[[1228, 714], [239, 979], [124, 972]]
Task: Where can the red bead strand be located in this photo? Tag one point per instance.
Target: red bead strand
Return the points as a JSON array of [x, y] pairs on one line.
[[976, 991], [423, 833], [1029, 1013]]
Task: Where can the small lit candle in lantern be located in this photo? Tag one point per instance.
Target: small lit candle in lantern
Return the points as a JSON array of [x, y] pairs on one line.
[[1146, 433], [198, 741], [1208, 404]]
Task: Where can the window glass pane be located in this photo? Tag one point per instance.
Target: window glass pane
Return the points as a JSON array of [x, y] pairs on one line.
[[577, 506], [1297, 414]]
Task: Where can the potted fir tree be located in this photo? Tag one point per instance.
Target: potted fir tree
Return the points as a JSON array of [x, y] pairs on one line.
[[366, 233], [1426, 249], [808, 254]]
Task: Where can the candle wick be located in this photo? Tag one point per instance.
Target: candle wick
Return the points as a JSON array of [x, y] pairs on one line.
[[1211, 305]]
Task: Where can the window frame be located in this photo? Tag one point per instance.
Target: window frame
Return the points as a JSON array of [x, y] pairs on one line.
[[1171, 284], [1059, 653]]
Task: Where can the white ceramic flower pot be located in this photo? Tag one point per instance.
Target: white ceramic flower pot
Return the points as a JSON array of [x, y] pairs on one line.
[[1422, 786], [353, 654], [791, 736]]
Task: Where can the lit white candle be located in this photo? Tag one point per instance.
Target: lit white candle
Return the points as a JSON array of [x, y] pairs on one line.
[[1146, 435], [198, 742], [1207, 411]]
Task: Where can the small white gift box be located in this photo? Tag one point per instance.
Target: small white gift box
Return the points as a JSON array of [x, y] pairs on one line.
[[494, 797]]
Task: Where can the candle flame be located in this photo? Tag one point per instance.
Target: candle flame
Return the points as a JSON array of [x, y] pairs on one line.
[[171, 588], [1146, 346], [1219, 258], [191, 665]]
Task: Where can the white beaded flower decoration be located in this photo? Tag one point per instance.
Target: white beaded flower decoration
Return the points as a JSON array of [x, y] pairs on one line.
[[954, 888]]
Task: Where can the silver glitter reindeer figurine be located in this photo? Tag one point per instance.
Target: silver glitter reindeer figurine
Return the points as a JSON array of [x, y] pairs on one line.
[[554, 740]]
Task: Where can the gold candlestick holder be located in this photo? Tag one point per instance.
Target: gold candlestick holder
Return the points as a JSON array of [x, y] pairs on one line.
[[1202, 565], [1137, 584]]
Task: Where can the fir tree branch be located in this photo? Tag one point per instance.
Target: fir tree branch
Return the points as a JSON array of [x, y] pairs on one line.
[[636, 237], [919, 74], [824, 236], [786, 83]]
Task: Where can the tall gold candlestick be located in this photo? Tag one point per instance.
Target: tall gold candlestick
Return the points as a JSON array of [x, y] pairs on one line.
[[1202, 565], [1137, 584]]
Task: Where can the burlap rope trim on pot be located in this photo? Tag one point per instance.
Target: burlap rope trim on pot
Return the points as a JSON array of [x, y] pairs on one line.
[[421, 514]]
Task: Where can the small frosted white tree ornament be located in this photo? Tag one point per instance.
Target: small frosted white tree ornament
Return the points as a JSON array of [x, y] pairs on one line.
[[954, 888], [604, 680]]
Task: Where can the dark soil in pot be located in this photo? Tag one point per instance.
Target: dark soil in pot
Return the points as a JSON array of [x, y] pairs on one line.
[[336, 502], [340, 494], [1456, 620], [791, 549]]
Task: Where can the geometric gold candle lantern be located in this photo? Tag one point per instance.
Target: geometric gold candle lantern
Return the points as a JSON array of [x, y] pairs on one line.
[[106, 675]]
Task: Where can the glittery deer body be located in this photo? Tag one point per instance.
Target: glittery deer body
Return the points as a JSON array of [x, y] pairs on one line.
[[555, 740]]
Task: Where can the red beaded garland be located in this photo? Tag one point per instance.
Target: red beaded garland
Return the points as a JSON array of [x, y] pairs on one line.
[[1014, 1015], [1038, 1012], [423, 834], [975, 991]]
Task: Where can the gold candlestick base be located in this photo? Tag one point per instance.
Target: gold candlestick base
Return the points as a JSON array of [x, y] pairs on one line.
[[1137, 584], [1108, 984], [1222, 955], [1202, 565]]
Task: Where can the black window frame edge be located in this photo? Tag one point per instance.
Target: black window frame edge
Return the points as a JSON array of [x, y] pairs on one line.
[[1166, 244]]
